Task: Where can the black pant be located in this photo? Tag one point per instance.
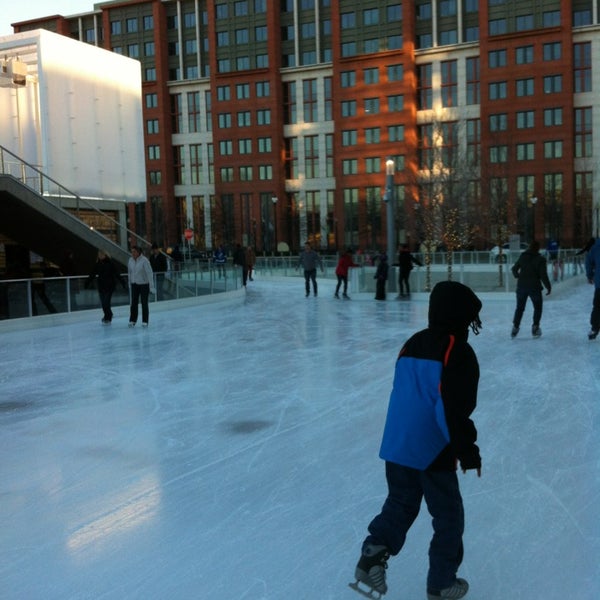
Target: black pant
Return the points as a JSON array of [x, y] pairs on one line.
[[404, 282], [537, 301], [380, 289], [105, 300], [310, 275], [342, 279], [406, 488], [139, 291], [595, 316]]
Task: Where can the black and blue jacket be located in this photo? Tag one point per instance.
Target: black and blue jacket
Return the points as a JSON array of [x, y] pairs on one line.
[[428, 423]]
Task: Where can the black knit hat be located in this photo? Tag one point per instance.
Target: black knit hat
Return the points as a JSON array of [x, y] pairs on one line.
[[453, 307]]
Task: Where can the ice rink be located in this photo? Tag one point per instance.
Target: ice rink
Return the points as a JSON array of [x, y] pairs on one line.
[[230, 452]]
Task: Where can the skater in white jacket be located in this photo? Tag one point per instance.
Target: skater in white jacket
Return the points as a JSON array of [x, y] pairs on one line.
[[141, 283]]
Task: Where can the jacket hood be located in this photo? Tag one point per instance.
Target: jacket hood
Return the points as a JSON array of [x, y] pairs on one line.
[[453, 308]]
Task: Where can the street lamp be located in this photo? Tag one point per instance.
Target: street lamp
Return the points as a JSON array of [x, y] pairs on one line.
[[533, 201], [274, 201], [388, 198]]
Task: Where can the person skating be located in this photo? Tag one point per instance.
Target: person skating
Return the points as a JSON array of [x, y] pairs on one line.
[[345, 262], [108, 275], [427, 432], [406, 261], [531, 272], [309, 260], [592, 271], [381, 275], [141, 284]]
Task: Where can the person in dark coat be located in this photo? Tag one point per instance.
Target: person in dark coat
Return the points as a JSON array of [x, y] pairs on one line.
[[531, 272], [108, 275], [381, 276], [158, 262], [428, 432], [592, 270], [405, 262], [240, 259]]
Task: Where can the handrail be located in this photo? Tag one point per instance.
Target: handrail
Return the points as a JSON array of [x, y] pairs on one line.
[[63, 192]]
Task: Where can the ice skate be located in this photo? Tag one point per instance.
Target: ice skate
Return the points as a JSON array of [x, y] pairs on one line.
[[514, 332], [345, 297], [457, 590], [370, 571], [593, 334], [536, 331]]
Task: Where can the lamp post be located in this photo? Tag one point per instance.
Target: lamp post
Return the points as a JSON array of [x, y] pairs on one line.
[[389, 200], [533, 201], [274, 201]]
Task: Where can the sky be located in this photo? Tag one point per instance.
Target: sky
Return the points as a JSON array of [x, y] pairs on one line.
[[22, 11]]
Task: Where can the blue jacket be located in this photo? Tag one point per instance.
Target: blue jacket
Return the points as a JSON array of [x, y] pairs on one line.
[[592, 263], [428, 423]]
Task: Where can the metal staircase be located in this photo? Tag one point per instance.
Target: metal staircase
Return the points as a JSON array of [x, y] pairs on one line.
[[44, 216]]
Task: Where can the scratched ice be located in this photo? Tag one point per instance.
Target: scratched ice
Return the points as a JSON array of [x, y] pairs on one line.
[[230, 452]]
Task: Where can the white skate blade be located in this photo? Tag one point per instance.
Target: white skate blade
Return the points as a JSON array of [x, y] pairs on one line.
[[371, 593]]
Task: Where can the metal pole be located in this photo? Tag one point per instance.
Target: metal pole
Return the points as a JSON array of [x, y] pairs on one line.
[[389, 199]]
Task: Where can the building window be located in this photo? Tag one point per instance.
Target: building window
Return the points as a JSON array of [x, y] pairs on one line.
[[371, 75], [373, 164], [350, 166], [245, 146], [372, 106], [348, 20], [552, 84], [152, 100], [473, 141], [582, 67], [553, 149], [583, 132], [311, 156], [524, 87], [242, 36], [244, 118], [246, 173], [524, 22], [189, 20], [371, 16], [133, 50], [348, 108], [328, 97], [349, 137], [153, 152], [194, 114], [553, 117], [152, 126], [176, 113], [223, 93], [261, 33], [179, 165], [290, 100], [224, 120], [497, 90], [148, 22], [263, 89], [498, 154], [131, 25], [582, 17], [525, 151], [309, 91], [226, 147], [395, 72], [498, 122], [372, 135], [471, 34], [263, 116], [449, 83], [553, 51], [395, 103], [196, 164], [264, 145], [497, 58], [348, 79], [551, 18], [424, 87], [396, 133], [473, 93], [240, 8], [242, 91], [149, 49], [222, 38], [448, 37], [524, 55], [150, 74], [265, 172], [155, 177], [349, 49], [497, 26], [115, 28], [525, 119], [222, 11], [226, 174]]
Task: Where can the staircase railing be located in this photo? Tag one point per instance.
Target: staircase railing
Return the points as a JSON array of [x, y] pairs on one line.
[[57, 194]]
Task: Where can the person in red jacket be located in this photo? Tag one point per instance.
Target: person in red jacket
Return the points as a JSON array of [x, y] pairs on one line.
[[344, 263]]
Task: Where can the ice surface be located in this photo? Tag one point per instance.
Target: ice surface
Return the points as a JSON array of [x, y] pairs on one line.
[[229, 452]]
